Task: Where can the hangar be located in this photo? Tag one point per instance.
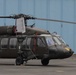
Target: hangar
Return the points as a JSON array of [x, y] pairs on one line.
[[53, 9]]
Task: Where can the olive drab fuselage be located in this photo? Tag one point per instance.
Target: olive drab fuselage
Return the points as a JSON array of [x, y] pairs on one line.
[[9, 46], [32, 47]]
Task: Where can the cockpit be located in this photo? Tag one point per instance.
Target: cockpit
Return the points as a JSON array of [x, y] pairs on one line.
[[49, 40], [59, 40], [53, 40]]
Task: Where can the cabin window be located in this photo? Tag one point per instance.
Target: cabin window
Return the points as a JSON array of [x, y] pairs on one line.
[[13, 43], [4, 43], [24, 44], [28, 43], [41, 42]]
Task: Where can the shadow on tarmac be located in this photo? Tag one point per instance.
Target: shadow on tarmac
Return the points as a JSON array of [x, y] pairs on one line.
[[64, 66], [39, 65]]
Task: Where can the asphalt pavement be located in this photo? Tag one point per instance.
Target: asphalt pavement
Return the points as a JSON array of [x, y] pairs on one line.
[[34, 67]]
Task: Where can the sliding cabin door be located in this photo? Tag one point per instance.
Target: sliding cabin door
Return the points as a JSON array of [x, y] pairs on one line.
[[13, 47]]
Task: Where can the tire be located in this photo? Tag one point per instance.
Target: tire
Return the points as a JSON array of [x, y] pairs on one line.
[[19, 60], [44, 62]]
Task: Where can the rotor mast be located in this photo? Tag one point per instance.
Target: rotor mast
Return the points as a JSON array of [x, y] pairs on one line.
[[26, 17]]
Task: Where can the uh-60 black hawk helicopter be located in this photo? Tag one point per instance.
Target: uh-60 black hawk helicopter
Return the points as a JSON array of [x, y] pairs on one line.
[[27, 42]]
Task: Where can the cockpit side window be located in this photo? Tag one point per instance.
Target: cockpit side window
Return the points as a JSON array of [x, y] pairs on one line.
[[4, 43], [13, 43], [49, 41]]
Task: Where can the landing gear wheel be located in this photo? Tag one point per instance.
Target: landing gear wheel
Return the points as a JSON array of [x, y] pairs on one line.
[[19, 60], [45, 62]]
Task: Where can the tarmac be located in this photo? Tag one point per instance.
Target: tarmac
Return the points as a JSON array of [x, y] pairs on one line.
[[34, 67]]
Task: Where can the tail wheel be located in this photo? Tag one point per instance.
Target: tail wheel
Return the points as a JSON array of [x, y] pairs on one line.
[[45, 62], [19, 60]]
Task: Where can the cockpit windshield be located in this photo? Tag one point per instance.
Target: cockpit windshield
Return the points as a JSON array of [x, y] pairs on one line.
[[62, 41], [59, 40], [49, 41]]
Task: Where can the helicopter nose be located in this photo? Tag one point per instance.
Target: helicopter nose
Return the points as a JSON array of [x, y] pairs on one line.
[[67, 52]]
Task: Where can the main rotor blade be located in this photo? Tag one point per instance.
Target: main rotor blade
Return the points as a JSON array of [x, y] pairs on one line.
[[6, 16], [55, 20], [27, 17]]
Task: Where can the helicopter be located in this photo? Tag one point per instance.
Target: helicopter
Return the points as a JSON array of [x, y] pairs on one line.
[[25, 42]]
